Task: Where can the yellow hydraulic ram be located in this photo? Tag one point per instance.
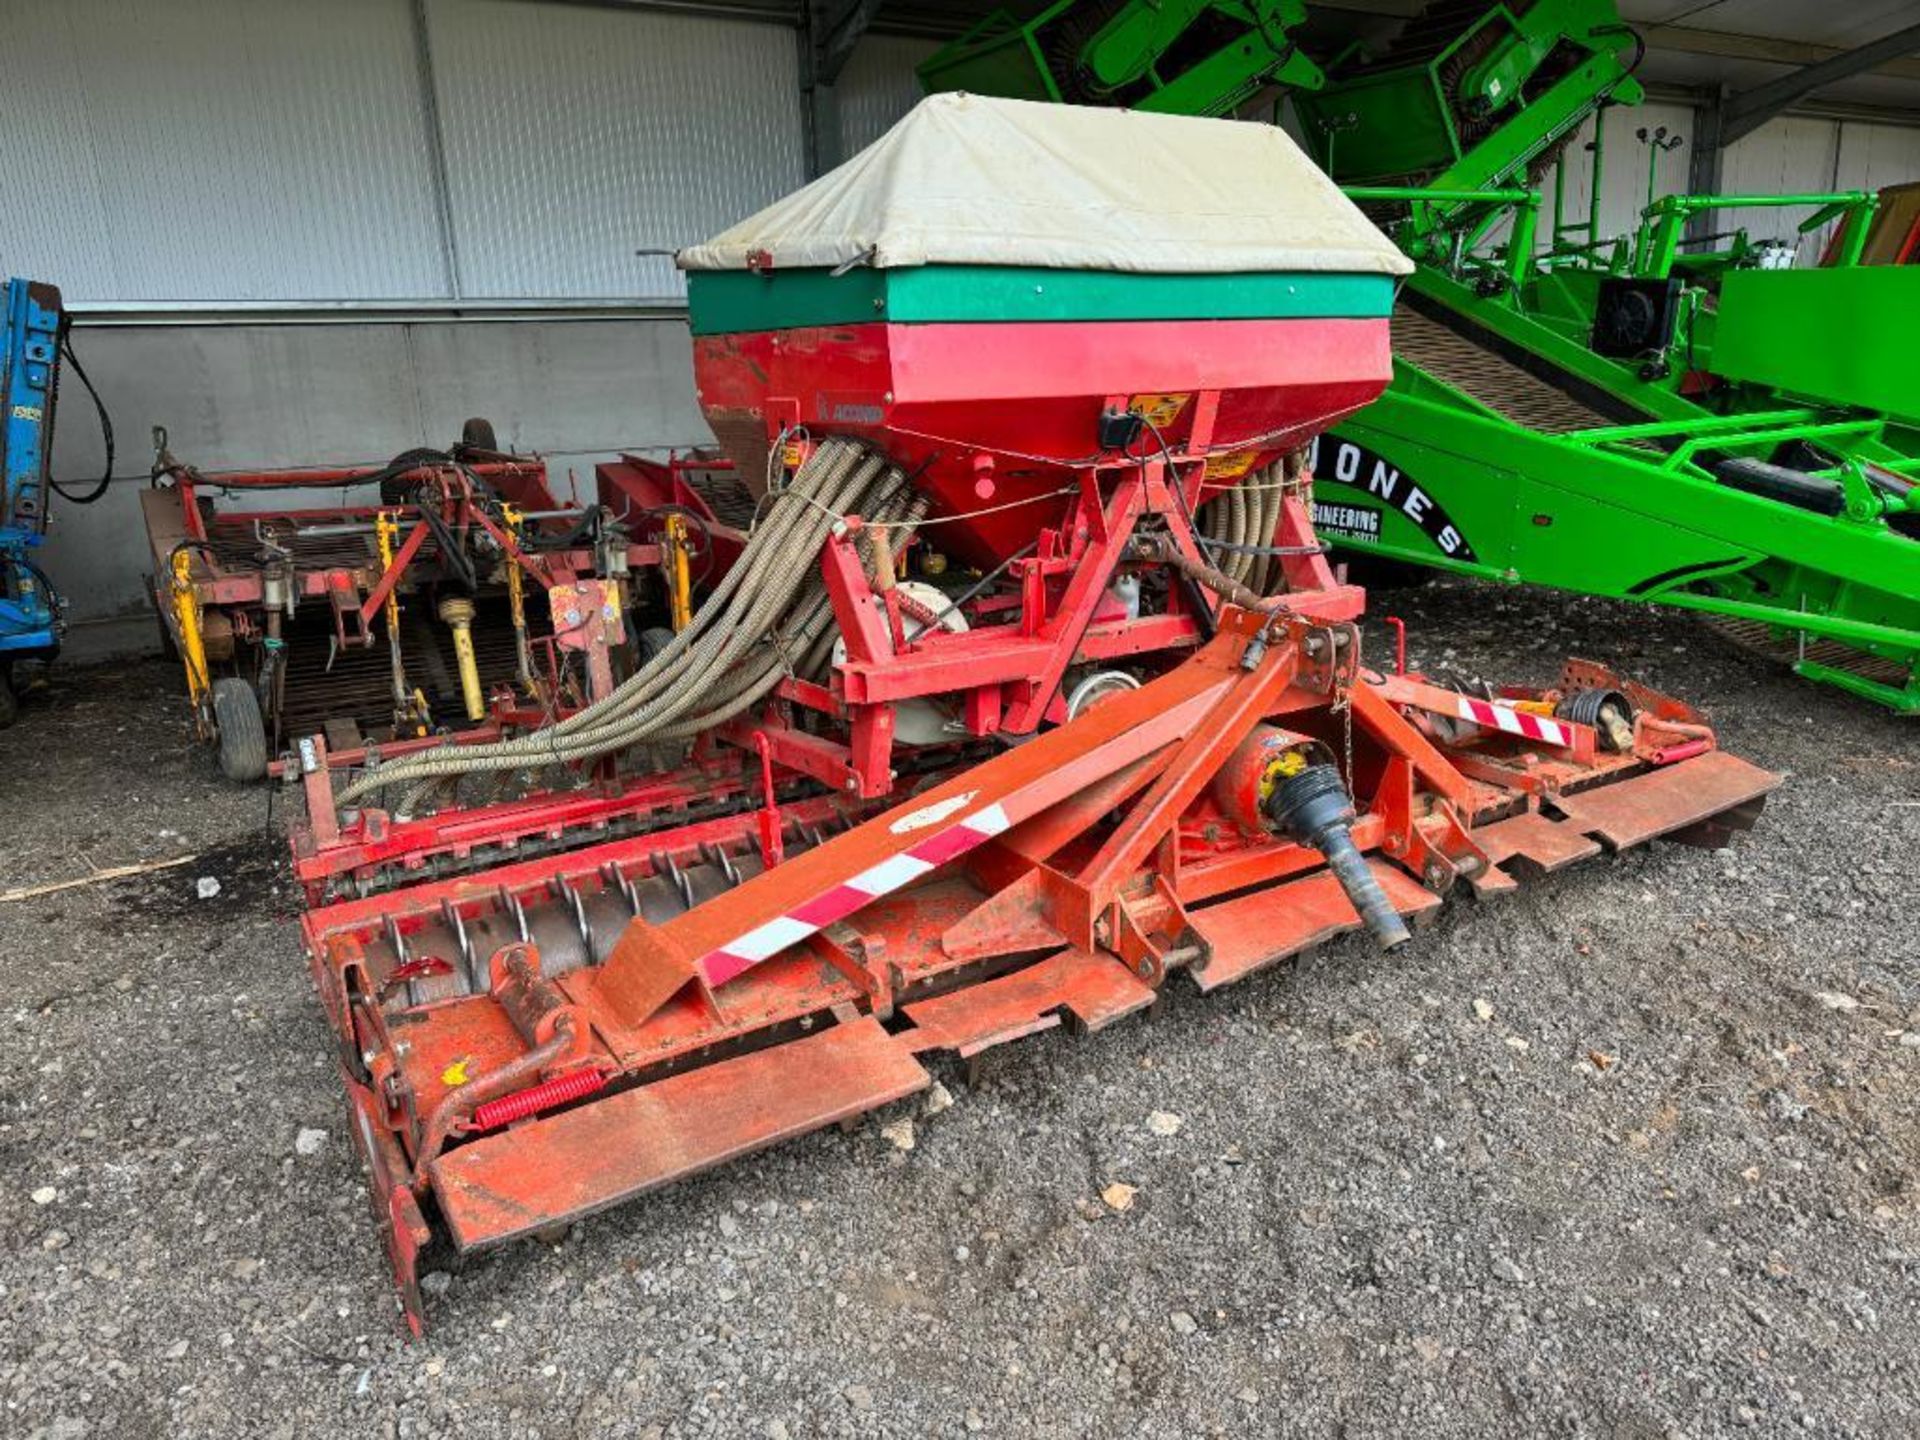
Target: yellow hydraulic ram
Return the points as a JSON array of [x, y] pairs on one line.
[[517, 600], [193, 645], [409, 710], [679, 582]]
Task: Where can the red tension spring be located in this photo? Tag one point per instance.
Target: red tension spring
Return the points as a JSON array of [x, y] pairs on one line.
[[535, 1098]]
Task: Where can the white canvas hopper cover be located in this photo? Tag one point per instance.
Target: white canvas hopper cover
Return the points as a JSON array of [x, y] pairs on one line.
[[966, 180]]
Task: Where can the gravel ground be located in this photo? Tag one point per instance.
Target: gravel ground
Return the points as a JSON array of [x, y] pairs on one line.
[[1630, 1153]]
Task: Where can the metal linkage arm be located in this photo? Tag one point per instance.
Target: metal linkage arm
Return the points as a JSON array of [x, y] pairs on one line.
[[712, 944]]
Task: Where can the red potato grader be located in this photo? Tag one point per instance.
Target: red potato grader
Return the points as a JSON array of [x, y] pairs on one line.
[[988, 725], [454, 592]]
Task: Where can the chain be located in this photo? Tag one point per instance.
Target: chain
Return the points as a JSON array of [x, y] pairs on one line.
[[1346, 724], [1343, 678]]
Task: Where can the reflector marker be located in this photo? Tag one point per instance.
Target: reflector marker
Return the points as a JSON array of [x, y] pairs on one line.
[[1515, 722], [763, 941], [889, 875]]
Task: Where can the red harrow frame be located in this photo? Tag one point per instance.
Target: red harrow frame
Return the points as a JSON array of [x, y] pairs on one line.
[[663, 972]]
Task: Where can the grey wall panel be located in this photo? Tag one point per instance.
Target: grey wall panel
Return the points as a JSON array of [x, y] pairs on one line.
[[55, 225], [1624, 183], [576, 136], [878, 87], [261, 396], [1875, 156], [216, 150], [1790, 154], [564, 386]]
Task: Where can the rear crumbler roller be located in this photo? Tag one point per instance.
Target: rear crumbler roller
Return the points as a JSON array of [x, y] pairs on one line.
[[444, 956]]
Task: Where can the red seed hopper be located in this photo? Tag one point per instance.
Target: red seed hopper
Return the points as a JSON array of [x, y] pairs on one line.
[[1020, 686]]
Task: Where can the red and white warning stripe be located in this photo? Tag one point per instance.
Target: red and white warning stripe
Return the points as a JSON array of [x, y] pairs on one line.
[[1515, 722], [742, 953]]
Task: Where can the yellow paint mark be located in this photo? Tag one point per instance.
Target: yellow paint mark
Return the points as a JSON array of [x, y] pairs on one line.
[[455, 1075]]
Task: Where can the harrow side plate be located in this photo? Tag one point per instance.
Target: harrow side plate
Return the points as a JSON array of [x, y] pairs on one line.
[[579, 1161], [1659, 802], [1264, 928], [1532, 838], [1095, 989]]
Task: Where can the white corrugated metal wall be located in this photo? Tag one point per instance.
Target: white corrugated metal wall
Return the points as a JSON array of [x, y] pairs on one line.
[[1625, 159], [1792, 154], [319, 184], [576, 136], [878, 87], [502, 151], [543, 146]]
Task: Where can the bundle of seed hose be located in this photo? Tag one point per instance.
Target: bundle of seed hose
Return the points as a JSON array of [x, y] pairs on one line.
[[1240, 520], [771, 601]]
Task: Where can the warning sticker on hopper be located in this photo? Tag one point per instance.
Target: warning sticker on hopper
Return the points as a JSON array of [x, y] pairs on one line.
[[1158, 409], [1231, 466]]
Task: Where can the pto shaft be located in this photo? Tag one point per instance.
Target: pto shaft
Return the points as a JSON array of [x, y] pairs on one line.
[[1316, 810], [457, 611]]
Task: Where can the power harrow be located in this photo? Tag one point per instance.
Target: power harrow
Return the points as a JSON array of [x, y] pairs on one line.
[[1028, 687]]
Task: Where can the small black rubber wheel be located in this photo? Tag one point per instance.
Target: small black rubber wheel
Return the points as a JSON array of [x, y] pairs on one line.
[[243, 733], [478, 434], [652, 641], [9, 706]]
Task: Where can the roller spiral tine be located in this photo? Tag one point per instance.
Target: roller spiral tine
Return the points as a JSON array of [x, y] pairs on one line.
[[563, 889], [617, 881], [451, 913], [723, 862], [679, 879], [397, 941], [511, 904]]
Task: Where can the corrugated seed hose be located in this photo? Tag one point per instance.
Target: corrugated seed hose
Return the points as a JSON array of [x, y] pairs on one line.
[[1242, 518], [706, 674]]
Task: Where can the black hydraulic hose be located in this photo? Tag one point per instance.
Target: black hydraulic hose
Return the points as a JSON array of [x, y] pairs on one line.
[[1639, 43], [106, 426], [405, 461], [402, 464], [453, 558], [974, 591], [53, 595], [584, 529], [202, 546]]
